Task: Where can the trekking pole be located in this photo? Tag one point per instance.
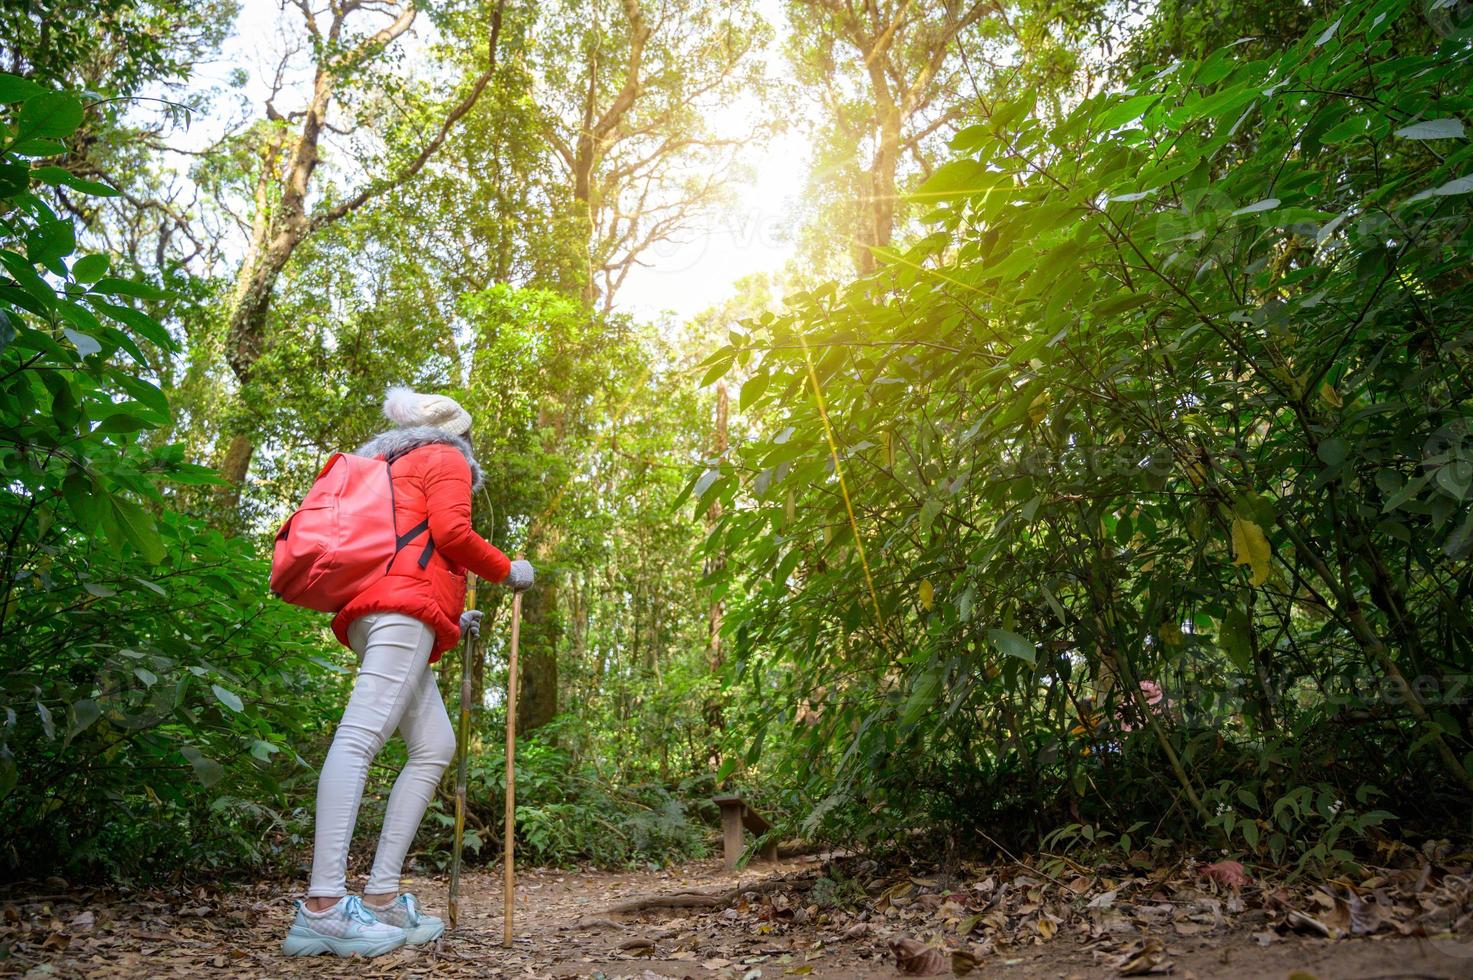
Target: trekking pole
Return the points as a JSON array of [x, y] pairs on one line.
[[509, 887], [462, 740]]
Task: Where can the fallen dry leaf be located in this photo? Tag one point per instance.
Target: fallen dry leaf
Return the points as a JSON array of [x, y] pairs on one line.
[[1304, 922], [1148, 959], [963, 962], [1228, 873], [916, 959]]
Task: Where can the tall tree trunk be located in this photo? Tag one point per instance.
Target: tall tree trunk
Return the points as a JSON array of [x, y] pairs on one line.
[[880, 226], [272, 246], [542, 633], [542, 629], [715, 712], [877, 213], [542, 618]]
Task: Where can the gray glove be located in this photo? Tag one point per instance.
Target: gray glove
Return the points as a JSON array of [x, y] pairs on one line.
[[470, 623], [520, 577]]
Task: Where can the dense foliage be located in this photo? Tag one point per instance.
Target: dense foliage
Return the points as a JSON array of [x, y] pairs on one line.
[[1157, 444], [1099, 469], [150, 682]]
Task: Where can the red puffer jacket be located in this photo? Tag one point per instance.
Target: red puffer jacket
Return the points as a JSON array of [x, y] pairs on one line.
[[433, 475]]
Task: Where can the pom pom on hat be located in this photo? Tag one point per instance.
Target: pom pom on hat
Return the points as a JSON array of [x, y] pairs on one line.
[[405, 407]]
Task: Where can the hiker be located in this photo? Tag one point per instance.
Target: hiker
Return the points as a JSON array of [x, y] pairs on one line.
[[398, 627]]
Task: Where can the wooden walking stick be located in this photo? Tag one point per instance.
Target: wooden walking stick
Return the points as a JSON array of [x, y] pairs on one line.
[[462, 741], [509, 887]]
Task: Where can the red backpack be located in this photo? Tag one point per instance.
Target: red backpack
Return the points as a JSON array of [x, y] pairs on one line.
[[342, 539]]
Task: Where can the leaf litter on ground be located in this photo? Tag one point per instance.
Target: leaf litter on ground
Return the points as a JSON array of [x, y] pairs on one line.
[[839, 916]]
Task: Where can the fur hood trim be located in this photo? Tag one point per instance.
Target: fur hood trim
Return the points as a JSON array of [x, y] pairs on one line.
[[396, 442]]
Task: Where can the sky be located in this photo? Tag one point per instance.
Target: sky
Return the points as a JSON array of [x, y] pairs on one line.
[[681, 277]]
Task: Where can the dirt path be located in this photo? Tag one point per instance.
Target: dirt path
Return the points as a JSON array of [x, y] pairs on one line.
[[772, 929]]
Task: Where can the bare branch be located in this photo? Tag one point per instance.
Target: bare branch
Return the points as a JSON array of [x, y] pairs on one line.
[[388, 33]]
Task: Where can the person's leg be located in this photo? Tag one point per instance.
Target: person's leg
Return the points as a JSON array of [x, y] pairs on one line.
[[427, 732], [395, 649]]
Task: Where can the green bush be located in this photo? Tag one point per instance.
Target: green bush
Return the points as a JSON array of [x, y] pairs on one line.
[[1158, 447], [152, 688], [567, 812]]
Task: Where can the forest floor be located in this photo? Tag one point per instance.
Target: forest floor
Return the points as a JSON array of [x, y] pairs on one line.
[[790, 919]]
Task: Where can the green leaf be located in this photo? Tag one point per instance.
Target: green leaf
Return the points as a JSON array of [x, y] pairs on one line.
[[718, 369], [85, 344], [1432, 129], [1347, 129], [49, 242], [956, 178], [1234, 637], [81, 716], [60, 176], [929, 509], [137, 527], [1123, 112], [923, 694], [1454, 478], [752, 390], [38, 148], [704, 482], [1463, 185], [120, 422], [48, 724], [82, 500], [90, 268], [51, 114], [193, 475], [14, 89], [1011, 644], [1267, 204], [25, 275], [1115, 305], [112, 286], [206, 770], [228, 698], [141, 322]]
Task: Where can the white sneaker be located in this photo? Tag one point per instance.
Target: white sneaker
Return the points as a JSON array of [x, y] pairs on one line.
[[343, 930], [405, 913]]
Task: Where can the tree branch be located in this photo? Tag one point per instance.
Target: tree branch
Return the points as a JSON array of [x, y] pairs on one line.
[[375, 188]]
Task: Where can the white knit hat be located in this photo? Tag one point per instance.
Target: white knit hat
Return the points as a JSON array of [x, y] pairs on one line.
[[409, 408]]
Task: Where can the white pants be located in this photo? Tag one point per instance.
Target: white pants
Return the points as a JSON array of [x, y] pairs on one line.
[[395, 689]]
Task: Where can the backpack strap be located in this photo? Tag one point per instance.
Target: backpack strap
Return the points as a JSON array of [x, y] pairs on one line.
[[402, 540]]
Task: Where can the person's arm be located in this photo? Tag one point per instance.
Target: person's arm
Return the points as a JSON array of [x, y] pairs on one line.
[[448, 497]]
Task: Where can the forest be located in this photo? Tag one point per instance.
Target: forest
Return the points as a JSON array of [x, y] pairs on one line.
[[1030, 436]]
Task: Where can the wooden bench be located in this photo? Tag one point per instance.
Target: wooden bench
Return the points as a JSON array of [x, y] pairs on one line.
[[736, 815]]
